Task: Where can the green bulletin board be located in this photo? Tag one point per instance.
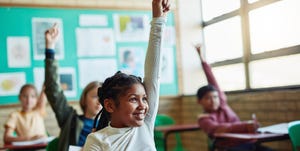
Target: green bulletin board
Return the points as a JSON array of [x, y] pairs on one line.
[[21, 36]]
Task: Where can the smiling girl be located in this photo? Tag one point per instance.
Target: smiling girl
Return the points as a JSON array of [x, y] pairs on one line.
[[130, 105]]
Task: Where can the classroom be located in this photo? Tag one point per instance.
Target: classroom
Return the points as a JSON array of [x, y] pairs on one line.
[[253, 47]]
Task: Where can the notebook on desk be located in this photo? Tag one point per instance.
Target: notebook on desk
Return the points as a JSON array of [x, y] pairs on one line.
[[281, 128], [33, 142]]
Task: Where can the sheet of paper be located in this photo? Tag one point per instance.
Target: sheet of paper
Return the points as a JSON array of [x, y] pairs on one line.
[[167, 67], [74, 148], [10, 83], [130, 28], [95, 42], [95, 70], [67, 79], [18, 51], [132, 60], [37, 141], [93, 20], [39, 26], [281, 128]]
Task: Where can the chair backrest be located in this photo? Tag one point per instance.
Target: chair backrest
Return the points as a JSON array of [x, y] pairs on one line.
[[165, 120], [294, 133], [53, 145]]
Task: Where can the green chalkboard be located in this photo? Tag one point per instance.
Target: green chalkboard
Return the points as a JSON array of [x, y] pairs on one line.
[[120, 31]]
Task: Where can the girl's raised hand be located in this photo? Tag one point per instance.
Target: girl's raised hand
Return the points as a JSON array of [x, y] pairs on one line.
[[160, 7]]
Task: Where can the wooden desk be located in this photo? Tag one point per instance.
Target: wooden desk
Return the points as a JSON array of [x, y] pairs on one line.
[[259, 137], [166, 130], [224, 140], [25, 147]]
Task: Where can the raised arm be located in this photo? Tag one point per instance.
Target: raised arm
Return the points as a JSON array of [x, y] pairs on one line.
[[42, 101], [153, 57], [53, 90], [209, 74]]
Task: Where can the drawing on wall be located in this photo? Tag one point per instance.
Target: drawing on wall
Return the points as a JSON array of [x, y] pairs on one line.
[[18, 52], [95, 70], [167, 67], [132, 60], [95, 42], [39, 26], [67, 81], [66, 76], [130, 28], [11, 83]]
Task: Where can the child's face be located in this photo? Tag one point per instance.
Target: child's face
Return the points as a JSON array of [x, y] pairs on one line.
[[28, 98], [210, 101], [132, 109], [92, 104]]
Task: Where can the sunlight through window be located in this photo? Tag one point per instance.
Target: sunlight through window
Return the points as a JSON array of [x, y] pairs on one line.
[[275, 26], [219, 7], [223, 40], [274, 72]]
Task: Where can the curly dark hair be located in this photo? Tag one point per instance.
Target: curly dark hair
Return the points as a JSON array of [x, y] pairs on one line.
[[112, 88]]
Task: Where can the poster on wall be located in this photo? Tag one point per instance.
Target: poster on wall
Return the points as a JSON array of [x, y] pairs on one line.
[[131, 28], [39, 27], [167, 66], [66, 76], [11, 83], [95, 70], [169, 36], [93, 20], [18, 51], [95, 42], [132, 60]]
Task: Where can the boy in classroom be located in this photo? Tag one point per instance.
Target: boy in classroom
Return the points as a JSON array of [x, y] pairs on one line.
[[218, 117], [28, 123], [74, 127], [129, 105]]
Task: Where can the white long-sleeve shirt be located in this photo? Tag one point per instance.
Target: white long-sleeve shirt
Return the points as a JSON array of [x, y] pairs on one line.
[[136, 138]]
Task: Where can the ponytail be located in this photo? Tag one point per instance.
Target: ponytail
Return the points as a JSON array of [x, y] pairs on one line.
[[104, 119]]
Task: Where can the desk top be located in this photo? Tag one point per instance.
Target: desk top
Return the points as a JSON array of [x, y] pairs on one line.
[[261, 137], [177, 128], [14, 147]]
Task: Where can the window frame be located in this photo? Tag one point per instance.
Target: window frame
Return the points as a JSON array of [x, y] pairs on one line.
[[247, 57]]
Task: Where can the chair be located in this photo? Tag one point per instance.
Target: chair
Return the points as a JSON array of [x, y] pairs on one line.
[[294, 133], [164, 120], [52, 146]]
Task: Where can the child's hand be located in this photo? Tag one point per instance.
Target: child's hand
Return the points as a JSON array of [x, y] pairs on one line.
[[51, 36], [202, 115], [198, 49], [160, 7], [252, 126]]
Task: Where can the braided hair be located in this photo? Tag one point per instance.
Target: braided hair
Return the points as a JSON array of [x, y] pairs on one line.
[[112, 88]]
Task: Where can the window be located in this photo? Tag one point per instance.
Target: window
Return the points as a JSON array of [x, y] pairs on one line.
[[223, 6], [253, 44], [228, 43], [283, 18]]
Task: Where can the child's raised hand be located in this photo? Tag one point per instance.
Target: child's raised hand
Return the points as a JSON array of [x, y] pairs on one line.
[[160, 7], [51, 36], [198, 49]]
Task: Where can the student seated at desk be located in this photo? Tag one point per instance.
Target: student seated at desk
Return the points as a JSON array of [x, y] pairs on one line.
[[218, 117], [28, 123], [74, 127]]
